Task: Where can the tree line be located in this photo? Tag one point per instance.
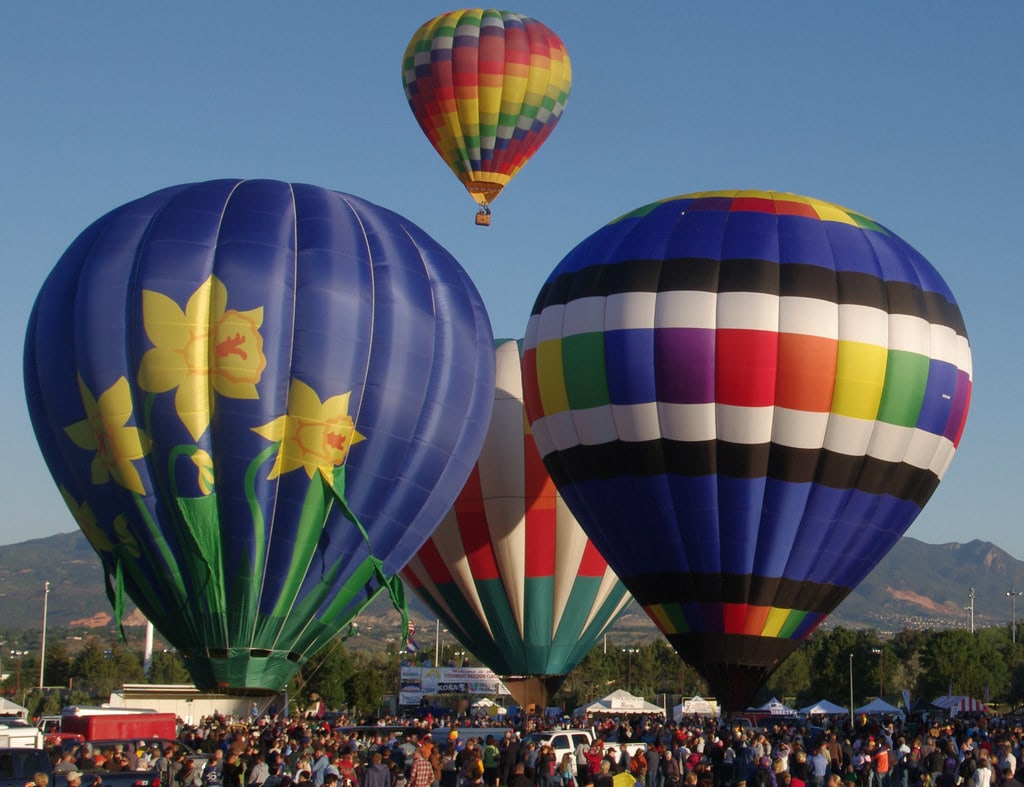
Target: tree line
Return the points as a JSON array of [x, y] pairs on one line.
[[926, 663]]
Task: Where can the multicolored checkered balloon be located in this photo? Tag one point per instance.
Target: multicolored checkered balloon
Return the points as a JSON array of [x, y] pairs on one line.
[[746, 398], [487, 87]]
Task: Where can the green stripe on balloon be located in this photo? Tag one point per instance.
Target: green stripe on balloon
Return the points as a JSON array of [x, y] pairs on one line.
[[906, 378], [586, 379], [538, 623]]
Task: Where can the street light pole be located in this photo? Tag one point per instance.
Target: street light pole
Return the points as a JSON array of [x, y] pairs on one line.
[[881, 660], [629, 671], [851, 691], [42, 646], [1013, 613], [971, 608]]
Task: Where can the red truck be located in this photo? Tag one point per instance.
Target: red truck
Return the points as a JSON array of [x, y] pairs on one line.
[[111, 724]]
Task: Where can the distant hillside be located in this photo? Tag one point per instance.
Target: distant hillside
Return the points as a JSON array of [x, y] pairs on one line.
[[917, 585]]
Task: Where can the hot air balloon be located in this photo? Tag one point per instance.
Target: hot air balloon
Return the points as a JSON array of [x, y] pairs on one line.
[[509, 570], [746, 398], [257, 399], [487, 87]]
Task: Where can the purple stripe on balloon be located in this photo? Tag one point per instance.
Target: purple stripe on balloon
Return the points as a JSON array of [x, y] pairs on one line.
[[684, 365]]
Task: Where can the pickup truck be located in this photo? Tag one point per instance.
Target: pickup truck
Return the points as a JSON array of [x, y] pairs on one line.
[[17, 732], [19, 764], [566, 741]]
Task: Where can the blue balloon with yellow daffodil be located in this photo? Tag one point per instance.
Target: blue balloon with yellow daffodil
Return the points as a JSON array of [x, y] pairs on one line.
[[258, 399]]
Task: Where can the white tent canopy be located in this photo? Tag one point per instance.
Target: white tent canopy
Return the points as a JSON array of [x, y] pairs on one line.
[[8, 708], [619, 702], [775, 707], [825, 708], [878, 705], [695, 706]]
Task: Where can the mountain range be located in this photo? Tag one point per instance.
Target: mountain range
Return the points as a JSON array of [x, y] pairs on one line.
[[917, 585]]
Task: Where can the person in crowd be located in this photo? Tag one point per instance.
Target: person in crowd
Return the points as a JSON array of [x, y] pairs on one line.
[[604, 776]]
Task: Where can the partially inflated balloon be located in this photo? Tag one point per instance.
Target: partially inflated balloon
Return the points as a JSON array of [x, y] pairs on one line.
[[745, 398], [487, 87], [509, 570], [258, 399]]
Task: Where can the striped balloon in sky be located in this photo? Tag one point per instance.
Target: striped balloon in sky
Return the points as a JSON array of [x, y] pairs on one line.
[[487, 87], [746, 398], [509, 570]]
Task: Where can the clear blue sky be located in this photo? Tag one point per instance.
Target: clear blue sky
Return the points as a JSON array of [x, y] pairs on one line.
[[911, 113]]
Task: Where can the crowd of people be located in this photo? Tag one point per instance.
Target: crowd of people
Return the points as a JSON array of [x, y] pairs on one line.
[[275, 752]]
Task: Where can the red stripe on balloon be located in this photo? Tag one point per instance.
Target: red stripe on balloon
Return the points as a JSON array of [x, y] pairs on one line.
[[746, 367], [472, 522], [592, 564], [434, 565], [540, 514]]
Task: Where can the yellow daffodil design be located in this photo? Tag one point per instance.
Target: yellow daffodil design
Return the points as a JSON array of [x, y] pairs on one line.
[[86, 520], [104, 432], [124, 536], [204, 464], [314, 435], [206, 345]]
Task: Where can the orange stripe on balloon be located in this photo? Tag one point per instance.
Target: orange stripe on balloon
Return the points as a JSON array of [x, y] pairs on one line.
[[806, 372]]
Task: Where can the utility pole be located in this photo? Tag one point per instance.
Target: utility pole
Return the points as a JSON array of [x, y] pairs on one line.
[[971, 608], [42, 646]]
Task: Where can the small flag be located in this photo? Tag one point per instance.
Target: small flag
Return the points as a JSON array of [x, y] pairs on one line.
[[986, 694], [411, 646]]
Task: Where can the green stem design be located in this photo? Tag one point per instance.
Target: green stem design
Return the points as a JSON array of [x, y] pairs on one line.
[[259, 528], [393, 584]]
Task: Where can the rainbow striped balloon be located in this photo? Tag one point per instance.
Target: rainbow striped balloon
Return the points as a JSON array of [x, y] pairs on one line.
[[509, 570], [746, 398], [487, 87]]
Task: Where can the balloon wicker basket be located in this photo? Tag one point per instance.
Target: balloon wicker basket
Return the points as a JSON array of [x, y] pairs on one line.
[[534, 690], [483, 217]]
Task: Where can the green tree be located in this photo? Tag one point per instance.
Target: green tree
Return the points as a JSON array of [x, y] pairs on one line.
[[326, 674], [829, 664], [168, 667], [964, 661], [366, 685], [792, 678], [58, 664]]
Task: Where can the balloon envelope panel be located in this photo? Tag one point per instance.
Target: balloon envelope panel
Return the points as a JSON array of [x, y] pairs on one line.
[[509, 570], [487, 87], [216, 370], [746, 398]]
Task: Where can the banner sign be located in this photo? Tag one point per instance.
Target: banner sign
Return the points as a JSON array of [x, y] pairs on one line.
[[415, 682]]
